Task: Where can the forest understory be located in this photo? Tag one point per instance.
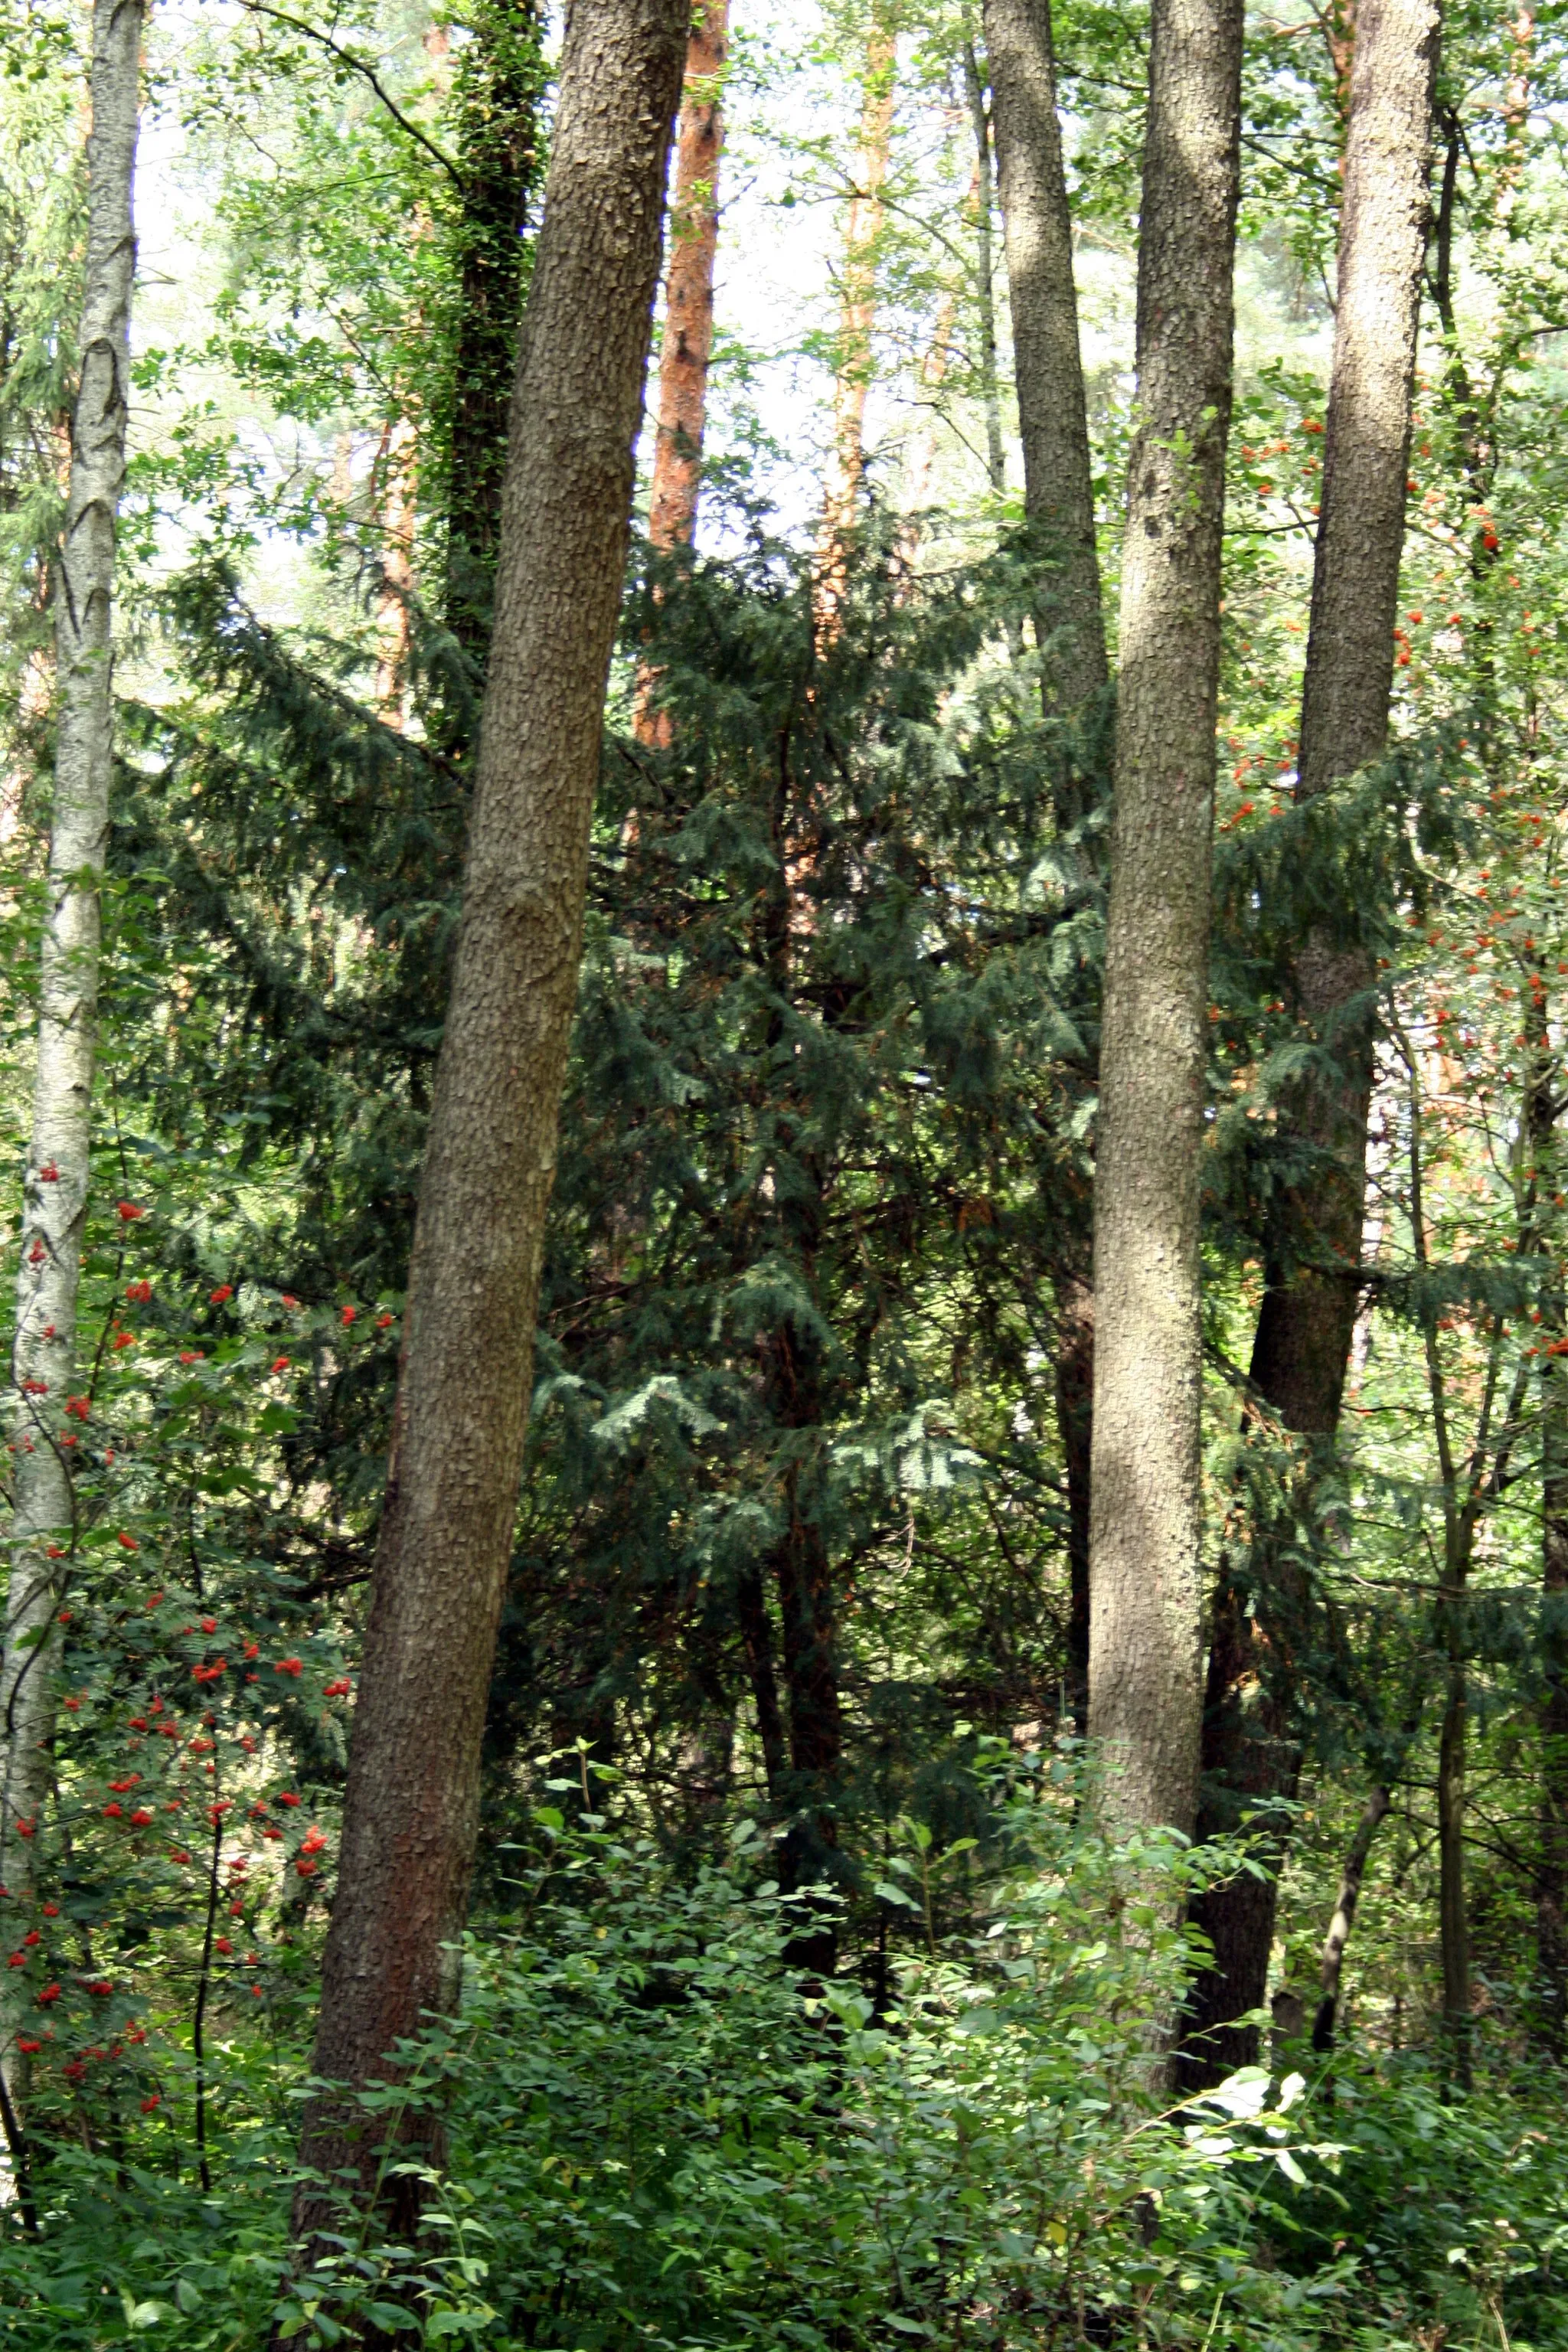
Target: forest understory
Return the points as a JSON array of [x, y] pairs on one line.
[[784, 1033]]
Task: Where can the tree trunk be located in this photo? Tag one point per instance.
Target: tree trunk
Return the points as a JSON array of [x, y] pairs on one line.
[[1452, 1908], [985, 271], [1302, 1346], [1075, 1427], [1059, 501], [410, 1812], [1552, 1888], [54, 1213], [689, 287], [858, 311], [1544, 1103], [1343, 1920], [1059, 479], [499, 77], [1146, 1519]]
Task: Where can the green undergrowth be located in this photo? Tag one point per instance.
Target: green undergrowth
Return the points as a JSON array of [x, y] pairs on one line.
[[660, 2134]]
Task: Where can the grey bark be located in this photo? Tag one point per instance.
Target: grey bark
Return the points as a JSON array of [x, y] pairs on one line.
[[1343, 1919], [411, 1811], [1301, 1347], [1059, 497], [53, 1215], [1058, 494], [1145, 1527]]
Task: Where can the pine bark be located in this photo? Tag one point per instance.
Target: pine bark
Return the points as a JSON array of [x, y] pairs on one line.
[[53, 1215], [688, 284], [1146, 1524], [858, 310], [411, 1809], [1302, 1345], [1053, 419]]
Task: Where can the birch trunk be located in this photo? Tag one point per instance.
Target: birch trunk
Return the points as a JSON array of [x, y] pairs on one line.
[[56, 1195], [1146, 1524], [1302, 1347], [1053, 420], [411, 1809]]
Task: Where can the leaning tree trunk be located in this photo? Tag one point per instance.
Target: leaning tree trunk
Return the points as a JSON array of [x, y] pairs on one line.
[[55, 1207], [1333, 1967], [1302, 1345], [1146, 1515], [1058, 492], [411, 1807], [1058, 500], [689, 285]]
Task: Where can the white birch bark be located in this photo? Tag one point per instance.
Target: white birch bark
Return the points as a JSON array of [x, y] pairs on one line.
[[44, 1362]]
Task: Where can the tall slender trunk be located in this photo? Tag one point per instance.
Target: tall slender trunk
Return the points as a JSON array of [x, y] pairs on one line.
[[499, 82], [857, 307], [1452, 1903], [393, 489], [54, 1216], [410, 1811], [1053, 418], [1302, 1345], [687, 319], [1552, 1885], [1059, 501], [1074, 1386], [1544, 1103], [985, 270], [1343, 1918], [1146, 1519], [689, 285]]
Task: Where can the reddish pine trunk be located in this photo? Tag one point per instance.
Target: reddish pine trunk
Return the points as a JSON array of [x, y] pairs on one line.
[[689, 287], [858, 311]]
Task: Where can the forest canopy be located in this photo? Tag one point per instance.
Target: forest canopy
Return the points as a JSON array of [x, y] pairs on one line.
[[784, 1040]]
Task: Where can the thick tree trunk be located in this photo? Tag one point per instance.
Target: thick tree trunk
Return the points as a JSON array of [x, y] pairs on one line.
[[500, 75], [1059, 493], [1146, 1518], [689, 287], [1301, 1349], [410, 1813], [54, 1213]]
